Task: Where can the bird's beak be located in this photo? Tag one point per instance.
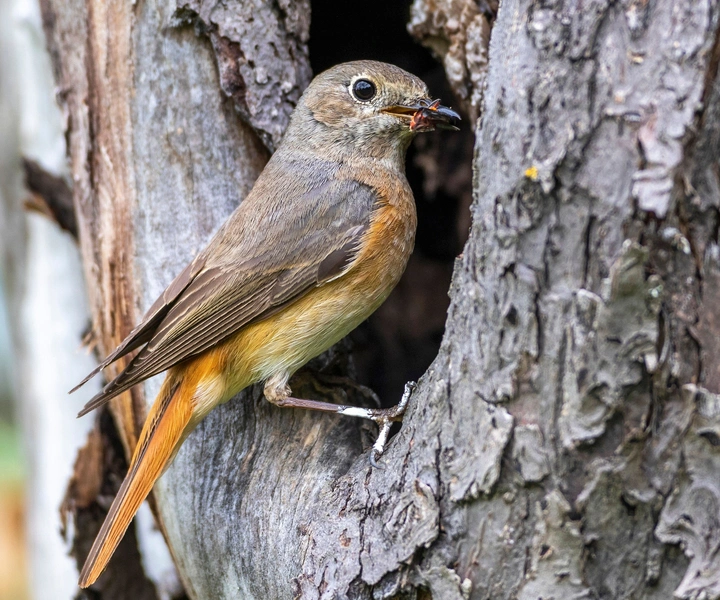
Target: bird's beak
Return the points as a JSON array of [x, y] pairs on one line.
[[426, 115]]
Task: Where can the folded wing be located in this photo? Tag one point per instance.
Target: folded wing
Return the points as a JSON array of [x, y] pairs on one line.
[[315, 241]]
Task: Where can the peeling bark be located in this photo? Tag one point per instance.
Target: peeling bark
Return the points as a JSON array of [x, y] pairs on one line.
[[564, 443]]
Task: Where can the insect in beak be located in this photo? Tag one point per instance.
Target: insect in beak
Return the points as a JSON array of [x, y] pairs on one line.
[[426, 115]]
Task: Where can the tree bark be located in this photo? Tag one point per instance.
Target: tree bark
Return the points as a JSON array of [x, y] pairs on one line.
[[564, 443]]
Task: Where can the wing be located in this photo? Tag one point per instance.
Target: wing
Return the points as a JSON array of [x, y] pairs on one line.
[[292, 251]]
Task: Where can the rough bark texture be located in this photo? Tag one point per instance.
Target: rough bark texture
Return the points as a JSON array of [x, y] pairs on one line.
[[261, 53], [458, 33], [564, 443]]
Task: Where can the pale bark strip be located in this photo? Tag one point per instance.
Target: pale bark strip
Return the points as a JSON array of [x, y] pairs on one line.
[[53, 316]]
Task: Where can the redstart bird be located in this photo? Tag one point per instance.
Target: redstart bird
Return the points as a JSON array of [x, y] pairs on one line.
[[314, 249]]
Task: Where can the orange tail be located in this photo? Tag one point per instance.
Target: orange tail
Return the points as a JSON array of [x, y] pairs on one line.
[[160, 438]]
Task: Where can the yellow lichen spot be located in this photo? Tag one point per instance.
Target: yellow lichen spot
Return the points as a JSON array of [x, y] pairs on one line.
[[532, 173]]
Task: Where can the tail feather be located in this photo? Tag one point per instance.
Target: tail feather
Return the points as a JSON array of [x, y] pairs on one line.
[[160, 438]]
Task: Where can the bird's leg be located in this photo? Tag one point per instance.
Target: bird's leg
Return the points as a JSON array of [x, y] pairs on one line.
[[278, 393], [379, 445]]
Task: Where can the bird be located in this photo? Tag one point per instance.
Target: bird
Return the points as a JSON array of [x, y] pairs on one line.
[[315, 247]]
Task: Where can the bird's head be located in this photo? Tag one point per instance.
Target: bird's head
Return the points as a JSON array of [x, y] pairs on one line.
[[367, 106]]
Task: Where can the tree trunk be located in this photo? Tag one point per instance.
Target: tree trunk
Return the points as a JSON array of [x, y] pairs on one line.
[[564, 442]]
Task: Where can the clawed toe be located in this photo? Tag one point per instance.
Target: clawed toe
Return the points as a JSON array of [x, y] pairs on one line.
[[385, 418]]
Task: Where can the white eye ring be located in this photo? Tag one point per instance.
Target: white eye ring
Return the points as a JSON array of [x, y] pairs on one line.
[[363, 89]]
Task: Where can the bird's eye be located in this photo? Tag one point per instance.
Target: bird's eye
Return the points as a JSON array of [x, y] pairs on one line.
[[364, 90]]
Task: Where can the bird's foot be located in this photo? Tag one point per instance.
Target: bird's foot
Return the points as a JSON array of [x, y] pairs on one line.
[[385, 418], [278, 392]]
